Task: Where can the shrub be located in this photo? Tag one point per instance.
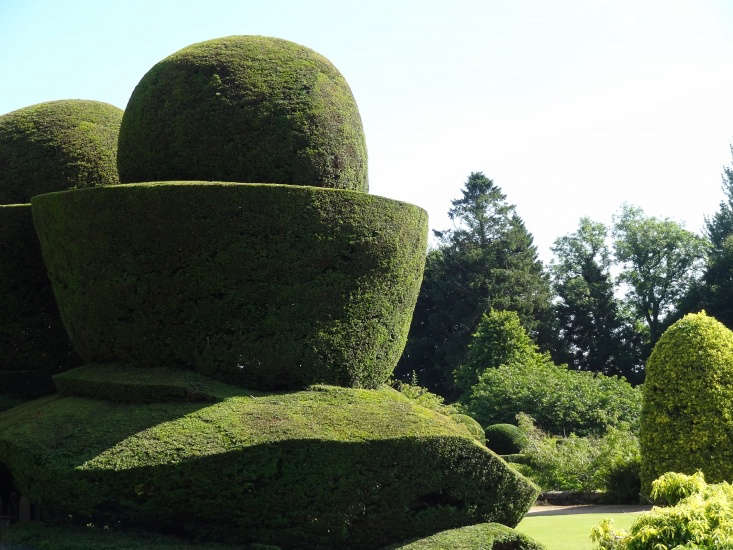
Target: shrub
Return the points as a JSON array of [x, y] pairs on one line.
[[33, 342], [505, 439], [57, 145], [327, 467], [670, 488], [244, 109], [560, 400], [484, 536], [687, 416], [609, 463], [267, 286], [703, 520], [499, 340]]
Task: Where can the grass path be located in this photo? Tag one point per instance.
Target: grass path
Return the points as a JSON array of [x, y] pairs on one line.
[[568, 528]]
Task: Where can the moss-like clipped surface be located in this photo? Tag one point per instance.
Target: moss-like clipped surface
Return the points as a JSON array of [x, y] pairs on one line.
[[328, 467], [57, 145], [268, 286], [687, 412], [32, 337], [505, 439], [484, 536], [115, 382], [246, 109]]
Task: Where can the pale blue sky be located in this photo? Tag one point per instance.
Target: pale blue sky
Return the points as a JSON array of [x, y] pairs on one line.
[[572, 107]]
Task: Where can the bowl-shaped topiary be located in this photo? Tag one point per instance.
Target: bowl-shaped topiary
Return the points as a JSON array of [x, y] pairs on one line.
[[687, 413], [267, 286], [246, 109], [505, 439], [57, 145], [33, 342]]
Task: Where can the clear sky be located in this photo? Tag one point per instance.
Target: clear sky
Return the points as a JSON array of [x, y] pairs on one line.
[[572, 107]]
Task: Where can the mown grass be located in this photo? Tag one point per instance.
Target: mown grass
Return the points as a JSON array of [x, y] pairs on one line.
[[570, 531]]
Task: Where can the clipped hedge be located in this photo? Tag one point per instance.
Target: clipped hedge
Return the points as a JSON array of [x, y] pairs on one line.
[[505, 439], [247, 109], [484, 536], [57, 145], [33, 342], [328, 467], [267, 286], [687, 413]]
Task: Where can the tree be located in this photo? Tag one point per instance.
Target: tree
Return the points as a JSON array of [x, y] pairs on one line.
[[499, 339], [715, 295], [661, 261], [486, 260], [593, 333]]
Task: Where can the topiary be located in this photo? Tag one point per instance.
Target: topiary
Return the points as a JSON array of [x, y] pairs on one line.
[[505, 439], [57, 145], [33, 342], [246, 109], [687, 413], [266, 286]]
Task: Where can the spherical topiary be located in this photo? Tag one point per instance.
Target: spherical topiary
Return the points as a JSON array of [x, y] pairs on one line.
[[505, 439], [245, 109], [267, 286], [687, 413], [57, 145]]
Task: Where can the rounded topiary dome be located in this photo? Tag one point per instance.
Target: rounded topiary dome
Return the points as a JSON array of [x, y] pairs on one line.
[[247, 109], [687, 415], [57, 145]]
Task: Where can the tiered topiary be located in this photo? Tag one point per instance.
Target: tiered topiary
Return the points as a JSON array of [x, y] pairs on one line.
[[45, 147], [687, 415], [173, 290]]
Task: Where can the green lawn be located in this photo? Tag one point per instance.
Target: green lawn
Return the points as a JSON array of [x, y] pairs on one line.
[[569, 531]]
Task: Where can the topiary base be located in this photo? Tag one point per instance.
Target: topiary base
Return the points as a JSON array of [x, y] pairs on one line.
[[326, 467], [484, 536]]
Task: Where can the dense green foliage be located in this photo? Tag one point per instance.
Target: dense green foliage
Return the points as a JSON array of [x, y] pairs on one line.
[[703, 520], [505, 439], [39, 536], [561, 401], [57, 145], [661, 261], [593, 333], [484, 536], [245, 109], [268, 286], [325, 467], [487, 261], [500, 339], [33, 343], [687, 416], [672, 487], [608, 463]]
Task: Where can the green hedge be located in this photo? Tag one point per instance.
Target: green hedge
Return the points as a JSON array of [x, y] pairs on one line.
[[246, 109], [687, 413], [484, 536], [268, 286], [32, 337], [57, 145], [505, 439], [328, 467]]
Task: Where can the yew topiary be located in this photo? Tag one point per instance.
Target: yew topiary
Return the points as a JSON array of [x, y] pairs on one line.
[[247, 109], [687, 412], [57, 145]]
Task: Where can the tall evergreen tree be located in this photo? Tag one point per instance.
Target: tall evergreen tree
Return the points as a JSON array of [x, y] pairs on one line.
[[593, 332], [717, 289], [487, 260]]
